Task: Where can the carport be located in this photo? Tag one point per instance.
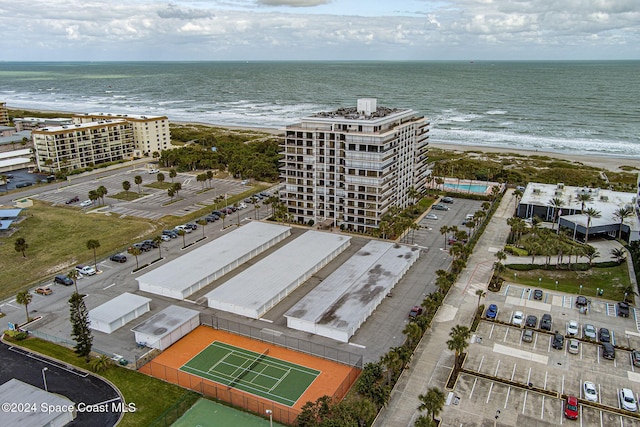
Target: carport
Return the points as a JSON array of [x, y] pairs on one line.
[[166, 327], [260, 287], [29, 410], [187, 274], [343, 301], [117, 312]]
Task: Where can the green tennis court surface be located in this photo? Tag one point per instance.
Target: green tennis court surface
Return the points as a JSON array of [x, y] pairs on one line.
[[211, 414], [255, 373]]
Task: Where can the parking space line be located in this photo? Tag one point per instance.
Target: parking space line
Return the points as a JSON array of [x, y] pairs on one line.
[[506, 333], [491, 332], [473, 387], [489, 394], [506, 291], [495, 374], [521, 354], [562, 388], [542, 409], [481, 360], [524, 402]]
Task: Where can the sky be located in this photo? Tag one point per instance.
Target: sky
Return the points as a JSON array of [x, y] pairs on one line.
[[216, 30]]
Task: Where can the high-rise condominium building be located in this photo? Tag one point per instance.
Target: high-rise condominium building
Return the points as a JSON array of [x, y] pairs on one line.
[[83, 145], [350, 166], [150, 133], [4, 114]]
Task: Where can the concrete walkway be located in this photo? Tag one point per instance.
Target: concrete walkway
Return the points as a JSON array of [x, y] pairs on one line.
[[432, 361]]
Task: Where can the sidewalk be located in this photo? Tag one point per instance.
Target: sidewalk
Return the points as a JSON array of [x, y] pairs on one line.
[[432, 361]]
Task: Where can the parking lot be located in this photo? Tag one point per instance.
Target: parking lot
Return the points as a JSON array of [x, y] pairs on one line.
[[525, 381]]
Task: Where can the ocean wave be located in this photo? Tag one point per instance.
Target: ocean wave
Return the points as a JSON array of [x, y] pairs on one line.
[[495, 112]]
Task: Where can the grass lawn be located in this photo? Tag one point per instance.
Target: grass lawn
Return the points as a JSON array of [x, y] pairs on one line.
[[127, 195], [612, 279], [164, 185], [151, 395], [57, 239]]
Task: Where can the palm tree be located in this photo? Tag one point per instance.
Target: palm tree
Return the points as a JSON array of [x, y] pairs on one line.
[[24, 298], [622, 214], [182, 233], [102, 191], [556, 204], [158, 241], [126, 185], [413, 333], [93, 196], [93, 244], [49, 162], [413, 194], [176, 188], [73, 275], [459, 342], [518, 195], [424, 421], [135, 252], [171, 192], [160, 177], [481, 293], [432, 402], [172, 174], [209, 177], [4, 180], [21, 245], [583, 198], [591, 253], [138, 180], [590, 213], [444, 230], [618, 254], [202, 223]]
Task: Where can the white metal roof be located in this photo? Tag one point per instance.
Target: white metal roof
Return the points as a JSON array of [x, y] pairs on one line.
[[16, 391], [186, 270], [165, 322], [275, 273], [117, 307]]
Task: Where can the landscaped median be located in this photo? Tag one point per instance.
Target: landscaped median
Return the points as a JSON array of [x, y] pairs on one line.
[[152, 397]]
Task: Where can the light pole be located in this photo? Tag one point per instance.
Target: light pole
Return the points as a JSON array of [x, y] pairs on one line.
[[556, 285], [270, 413], [44, 378], [495, 423], [580, 293]]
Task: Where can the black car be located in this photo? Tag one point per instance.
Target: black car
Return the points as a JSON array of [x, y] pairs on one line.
[[608, 351], [623, 309], [211, 218], [63, 280], [118, 258], [531, 321], [73, 200], [191, 225], [217, 213], [558, 341], [581, 301], [170, 233], [604, 335], [447, 200], [545, 322], [537, 294]]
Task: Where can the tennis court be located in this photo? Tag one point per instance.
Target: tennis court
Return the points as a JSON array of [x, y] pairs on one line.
[[256, 373]]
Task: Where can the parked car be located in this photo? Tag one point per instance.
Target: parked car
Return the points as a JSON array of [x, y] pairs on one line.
[[571, 407], [545, 322], [589, 332], [492, 311], [604, 335], [537, 294], [572, 328], [211, 218], [219, 213], [192, 225], [150, 243], [574, 346], [85, 270], [635, 358], [415, 311], [44, 290], [170, 233], [86, 203], [63, 280], [518, 318], [608, 351], [581, 301], [589, 391], [531, 321], [242, 205], [154, 171], [431, 216], [628, 400], [440, 207], [74, 199], [165, 238], [558, 341], [623, 309], [118, 258], [183, 228], [527, 335], [447, 200], [140, 246]]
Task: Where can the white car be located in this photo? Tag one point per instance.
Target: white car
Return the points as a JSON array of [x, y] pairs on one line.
[[86, 203], [183, 228], [431, 216], [590, 392], [85, 270], [572, 328], [165, 238], [518, 318], [154, 170], [574, 346], [628, 400]]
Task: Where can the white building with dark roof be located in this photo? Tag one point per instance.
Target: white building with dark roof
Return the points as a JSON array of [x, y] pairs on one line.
[[349, 166]]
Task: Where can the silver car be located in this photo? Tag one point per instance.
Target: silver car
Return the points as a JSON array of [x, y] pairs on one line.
[[589, 331]]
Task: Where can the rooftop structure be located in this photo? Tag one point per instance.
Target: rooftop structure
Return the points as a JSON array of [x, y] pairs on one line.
[[349, 166], [166, 327], [16, 391], [343, 301], [187, 274], [117, 312], [260, 287], [15, 159], [30, 123], [7, 216]]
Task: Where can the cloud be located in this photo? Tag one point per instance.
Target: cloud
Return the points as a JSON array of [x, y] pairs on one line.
[[172, 11], [293, 3]]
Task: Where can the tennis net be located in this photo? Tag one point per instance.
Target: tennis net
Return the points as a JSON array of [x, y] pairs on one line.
[[246, 370]]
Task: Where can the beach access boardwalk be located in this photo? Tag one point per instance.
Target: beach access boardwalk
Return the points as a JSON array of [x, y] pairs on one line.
[[432, 361]]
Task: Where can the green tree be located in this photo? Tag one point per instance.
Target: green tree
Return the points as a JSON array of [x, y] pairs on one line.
[[80, 331], [432, 402], [209, 177], [182, 233], [21, 245], [556, 204], [102, 191], [172, 174], [93, 244], [158, 241], [171, 192], [100, 364], [622, 214], [73, 275], [126, 186], [160, 177], [618, 254], [138, 180], [423, 421], [481, 293], [413, 332], [584, 198], [4, 180], [459, 342], [93, 196], [203, 224], [135, 252], [590, 213], [176, 188], [24, 298], [201, 178]]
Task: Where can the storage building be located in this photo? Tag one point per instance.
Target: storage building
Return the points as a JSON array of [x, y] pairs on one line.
[[23, 394], [166, 327], [117, 312]]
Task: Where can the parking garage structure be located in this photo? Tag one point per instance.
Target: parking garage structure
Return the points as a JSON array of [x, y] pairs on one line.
[[257, 289], [343, 301], [187, 274]]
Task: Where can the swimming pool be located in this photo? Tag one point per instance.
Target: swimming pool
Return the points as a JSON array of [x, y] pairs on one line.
[[466, 188]]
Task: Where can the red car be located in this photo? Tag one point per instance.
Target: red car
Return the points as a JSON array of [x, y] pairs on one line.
[[415, 311], [571, 407]]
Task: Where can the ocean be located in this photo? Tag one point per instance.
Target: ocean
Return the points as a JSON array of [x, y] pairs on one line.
[[572, 107]]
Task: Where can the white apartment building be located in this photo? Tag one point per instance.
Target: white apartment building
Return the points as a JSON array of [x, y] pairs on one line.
[[150, 133], [349, 166], [4, 114], [83, 145]]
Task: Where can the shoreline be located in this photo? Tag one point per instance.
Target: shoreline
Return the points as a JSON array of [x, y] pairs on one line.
[[610, 163]]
